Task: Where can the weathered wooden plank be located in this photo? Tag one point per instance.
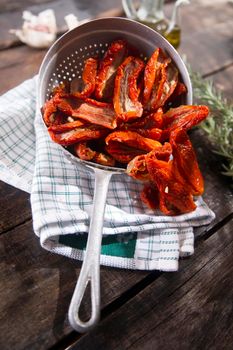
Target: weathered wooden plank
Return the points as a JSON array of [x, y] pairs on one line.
[[210, 49], [17, 65], [223, 82], [14, 5], [15, 207], [36, 288], [189, 309], [206, 28], [202, 15]]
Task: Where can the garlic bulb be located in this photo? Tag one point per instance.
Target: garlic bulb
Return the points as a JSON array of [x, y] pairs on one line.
[[37, 31]]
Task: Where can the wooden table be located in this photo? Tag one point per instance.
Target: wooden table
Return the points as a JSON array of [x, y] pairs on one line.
[[189, 309]]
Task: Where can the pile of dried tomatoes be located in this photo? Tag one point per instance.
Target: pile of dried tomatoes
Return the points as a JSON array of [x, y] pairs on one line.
[[125, 112]]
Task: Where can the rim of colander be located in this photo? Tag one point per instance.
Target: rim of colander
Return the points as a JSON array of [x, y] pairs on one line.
[[56, 45]]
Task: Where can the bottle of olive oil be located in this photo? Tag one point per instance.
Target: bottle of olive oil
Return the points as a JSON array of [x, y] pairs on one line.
[[173, 36], [151, 13]]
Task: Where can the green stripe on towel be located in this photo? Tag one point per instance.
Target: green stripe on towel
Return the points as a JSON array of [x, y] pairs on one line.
[[112, 245]]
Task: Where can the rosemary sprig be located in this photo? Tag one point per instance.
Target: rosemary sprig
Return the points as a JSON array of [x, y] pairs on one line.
[[219, 124]]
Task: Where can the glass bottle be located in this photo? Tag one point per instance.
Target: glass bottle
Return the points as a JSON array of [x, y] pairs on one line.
[[151, 13]]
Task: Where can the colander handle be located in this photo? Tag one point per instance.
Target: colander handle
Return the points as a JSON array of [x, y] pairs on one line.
[[90, 271]]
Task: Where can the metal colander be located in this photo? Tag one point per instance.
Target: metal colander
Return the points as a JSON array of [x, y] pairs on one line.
[[64, 62]]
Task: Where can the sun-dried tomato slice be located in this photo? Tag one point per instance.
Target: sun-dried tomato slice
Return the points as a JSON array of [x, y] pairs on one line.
[[148, 126], [184, 117], [122, 153], [83, 151], [132, 139], [150, 196], [150, 75], [79, 134], [112, 59], [99, 113], [126, 92], [178, 200], [49, 109], [66, 126], [174, 197], [153, 133], [85, 87], [179, 90], [185, 161], [168, 86], [125, 145], [137, 169], [104, 159], [160, 79], [152, 120]]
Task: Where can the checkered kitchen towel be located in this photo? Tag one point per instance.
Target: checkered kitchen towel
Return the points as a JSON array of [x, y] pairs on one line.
[[62, 194]]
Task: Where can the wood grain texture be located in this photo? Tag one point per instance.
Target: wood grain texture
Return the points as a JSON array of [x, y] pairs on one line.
[[177, 311], [36, 288], [202, 15], [15, 5], [15, 207], [18, 64], [200, 50], [205, 26], [223, 82]]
